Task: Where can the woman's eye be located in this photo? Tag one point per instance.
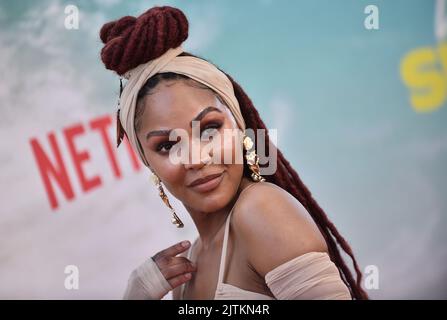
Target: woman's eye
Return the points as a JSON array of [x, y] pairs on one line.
[[210, 129], [165, 146]]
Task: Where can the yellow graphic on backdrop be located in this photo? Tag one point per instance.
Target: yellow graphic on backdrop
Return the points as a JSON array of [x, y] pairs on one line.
[[424, 71]]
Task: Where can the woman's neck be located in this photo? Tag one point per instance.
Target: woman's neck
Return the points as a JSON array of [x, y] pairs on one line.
[[210, 224]]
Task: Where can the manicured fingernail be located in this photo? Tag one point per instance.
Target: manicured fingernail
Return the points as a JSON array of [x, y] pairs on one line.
[[185, 243], [188, 275]]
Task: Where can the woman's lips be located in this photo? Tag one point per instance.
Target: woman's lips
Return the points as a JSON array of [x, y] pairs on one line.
[[209, 184]]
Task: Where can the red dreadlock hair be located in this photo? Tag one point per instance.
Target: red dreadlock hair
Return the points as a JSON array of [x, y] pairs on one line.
[[131, 41]]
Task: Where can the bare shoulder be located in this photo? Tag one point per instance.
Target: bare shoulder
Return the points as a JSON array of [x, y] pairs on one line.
[[274, 227]]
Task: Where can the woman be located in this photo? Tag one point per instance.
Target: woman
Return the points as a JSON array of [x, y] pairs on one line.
[[259, 237]]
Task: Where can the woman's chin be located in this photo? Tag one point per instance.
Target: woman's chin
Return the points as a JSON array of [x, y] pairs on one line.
[[209, 203], [213, 199]]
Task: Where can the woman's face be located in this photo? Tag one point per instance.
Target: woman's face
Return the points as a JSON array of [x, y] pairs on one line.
[[173, 105]]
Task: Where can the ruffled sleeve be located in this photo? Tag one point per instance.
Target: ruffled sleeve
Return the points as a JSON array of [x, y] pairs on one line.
[[311, 276]]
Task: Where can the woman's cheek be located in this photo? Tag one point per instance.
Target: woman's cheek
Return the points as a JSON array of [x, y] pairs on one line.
[[171, 174], [222, 145], [232, 148]]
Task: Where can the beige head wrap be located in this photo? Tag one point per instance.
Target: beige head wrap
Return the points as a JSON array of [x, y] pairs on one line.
[[195, 68]]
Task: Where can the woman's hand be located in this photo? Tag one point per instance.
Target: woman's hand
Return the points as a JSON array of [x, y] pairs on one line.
[[160, 274], [176, 270]]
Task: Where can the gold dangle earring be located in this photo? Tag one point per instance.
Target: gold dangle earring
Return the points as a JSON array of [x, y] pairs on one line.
[[252, 159], [175, 219]]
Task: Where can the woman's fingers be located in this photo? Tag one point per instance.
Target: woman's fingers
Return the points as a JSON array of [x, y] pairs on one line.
[[179, 280], [172, 251], [174, 270], [179, 260]]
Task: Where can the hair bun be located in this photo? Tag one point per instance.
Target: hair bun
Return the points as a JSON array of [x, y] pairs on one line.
[[129, 41]]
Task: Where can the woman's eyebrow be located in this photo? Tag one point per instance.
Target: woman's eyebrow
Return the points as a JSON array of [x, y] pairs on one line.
[[204, 112], [158, 133]]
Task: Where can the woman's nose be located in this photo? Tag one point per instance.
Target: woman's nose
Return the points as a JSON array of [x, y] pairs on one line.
[[198, 158], [197, 166]]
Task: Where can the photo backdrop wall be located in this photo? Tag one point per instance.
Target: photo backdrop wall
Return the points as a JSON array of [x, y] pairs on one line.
[[357, 94]]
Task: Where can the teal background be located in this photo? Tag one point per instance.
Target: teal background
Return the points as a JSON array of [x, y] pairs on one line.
[[332, 88]]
